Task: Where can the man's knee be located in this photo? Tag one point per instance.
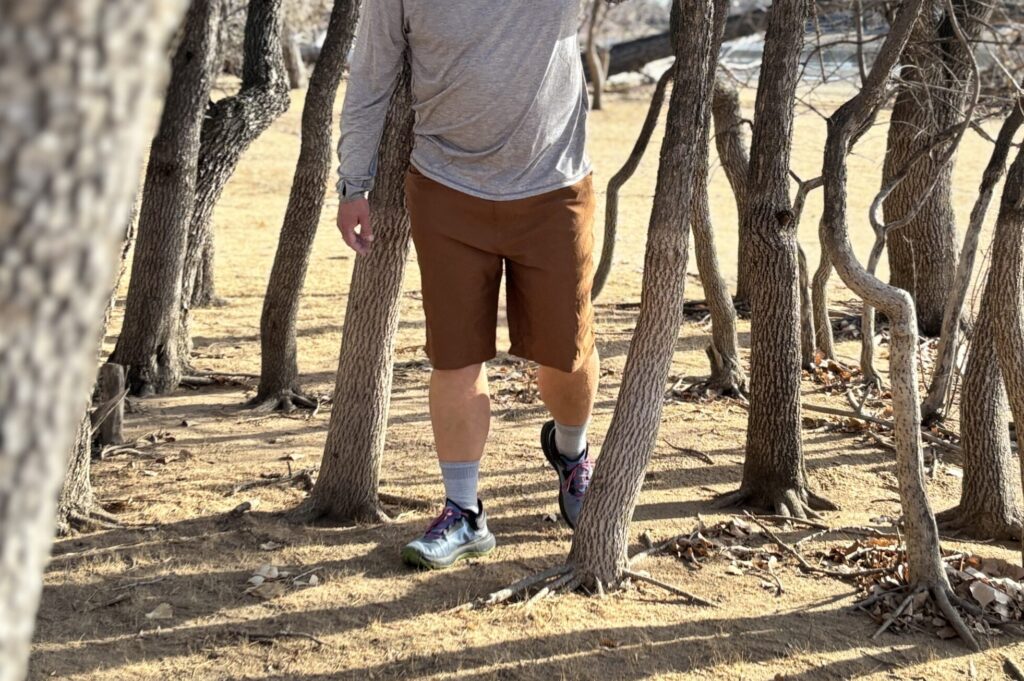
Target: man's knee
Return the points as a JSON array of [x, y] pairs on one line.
[[464, 377]]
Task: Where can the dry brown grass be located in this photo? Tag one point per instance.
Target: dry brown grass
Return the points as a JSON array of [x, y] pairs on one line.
[[377, 619]]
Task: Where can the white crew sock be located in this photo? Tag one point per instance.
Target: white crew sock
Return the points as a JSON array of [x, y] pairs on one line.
[[570, 440], [460, 482]]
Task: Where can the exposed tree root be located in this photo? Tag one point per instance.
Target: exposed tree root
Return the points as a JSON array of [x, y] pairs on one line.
[[727, 377], [797, 503], [567, 579], [313, 511], [88, 519], [286, 401], [957, 521]]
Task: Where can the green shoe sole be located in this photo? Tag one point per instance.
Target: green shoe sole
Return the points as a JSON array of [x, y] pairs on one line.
[[411, 556]]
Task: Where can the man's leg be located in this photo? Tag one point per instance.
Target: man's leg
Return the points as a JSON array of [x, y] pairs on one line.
[[460, 413], [570, 399]]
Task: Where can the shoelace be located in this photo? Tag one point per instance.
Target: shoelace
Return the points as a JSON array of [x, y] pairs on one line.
[[443, 522], [578, 480]]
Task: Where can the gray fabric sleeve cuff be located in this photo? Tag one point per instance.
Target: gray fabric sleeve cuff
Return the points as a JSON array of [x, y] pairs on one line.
[[348, 192]]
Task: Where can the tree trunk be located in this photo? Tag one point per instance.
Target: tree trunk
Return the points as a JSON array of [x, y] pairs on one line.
[[934, 404], [773, 471], [346, 488], [76, 501], [727, 376], [69, 163], [931, 97], [111, 388], [280, 369], [924, 562], [1006, 284], [595, 65], [735, 159], [230, 126], [989, 503], [808, 346], [293, 60], [611, 204], [599, 546], [819, 304], [147, 346]]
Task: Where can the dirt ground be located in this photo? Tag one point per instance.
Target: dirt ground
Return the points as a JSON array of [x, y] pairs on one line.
[[371, 617]]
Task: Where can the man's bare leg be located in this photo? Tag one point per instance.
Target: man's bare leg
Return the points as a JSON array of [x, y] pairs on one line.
[[570, 396], [460, 412]]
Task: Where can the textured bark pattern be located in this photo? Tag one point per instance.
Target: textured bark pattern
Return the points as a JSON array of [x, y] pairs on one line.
[[934, 70], [989, 503], [808, 347], [922, 537], [819, 304], [280, 370], [77, 77], [945, 357], [346, 488], [600, 543], [611, 210], [1006, 282], [727, 376], [147, 346], [76, 496], [230, 126], [773, 471], [735, 159]]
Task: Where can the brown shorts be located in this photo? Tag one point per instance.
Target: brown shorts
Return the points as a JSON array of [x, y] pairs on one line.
[[545, 244]]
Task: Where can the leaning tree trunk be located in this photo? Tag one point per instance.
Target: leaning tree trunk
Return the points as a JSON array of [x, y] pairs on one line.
[[773, 470], [611, 204], [934, 403], [931, 97], [346, 488], [147, 346], [727, 376], [69, 163], [599, 545], [808, 336], [231, 125], [989, 503], [824, 341], [735, 160], [279, 373], [925, 566]]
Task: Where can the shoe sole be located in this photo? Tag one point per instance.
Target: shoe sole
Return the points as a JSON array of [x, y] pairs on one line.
[[476, 549], [545, 437]]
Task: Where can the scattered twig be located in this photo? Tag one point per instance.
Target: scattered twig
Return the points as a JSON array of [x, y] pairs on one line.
[[305, 475], [668, 587], [257, 637], [894, 615], [928, 437], [408, 502], [697, 454], [1012, 670]]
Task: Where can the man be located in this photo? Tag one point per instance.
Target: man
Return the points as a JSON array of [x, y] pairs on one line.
[[499, 180]]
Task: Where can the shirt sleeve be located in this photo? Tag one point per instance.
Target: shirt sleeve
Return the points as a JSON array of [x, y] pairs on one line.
[[377, 60]]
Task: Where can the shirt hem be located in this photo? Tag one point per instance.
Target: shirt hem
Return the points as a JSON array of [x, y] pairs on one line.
[[451, 184]]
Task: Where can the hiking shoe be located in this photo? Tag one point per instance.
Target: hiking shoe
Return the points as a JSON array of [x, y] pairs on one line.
[[454, 535], [573, 475]]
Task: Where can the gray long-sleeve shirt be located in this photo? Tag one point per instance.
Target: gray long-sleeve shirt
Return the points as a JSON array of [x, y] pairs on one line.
[[498, 93]]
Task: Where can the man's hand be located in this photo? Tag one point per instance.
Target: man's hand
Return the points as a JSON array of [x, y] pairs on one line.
[[352, 214]]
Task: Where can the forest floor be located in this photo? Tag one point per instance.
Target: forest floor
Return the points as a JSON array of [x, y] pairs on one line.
[[166, 597]]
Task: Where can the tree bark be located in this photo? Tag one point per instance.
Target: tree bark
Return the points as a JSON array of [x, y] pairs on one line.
[[230, 126], [599, 545], [279, 373], [934, 404], [989, 503], [735, 159], [69, 163], [296, 68], [147, 346], [346, 488], [595, 65], [808, 337], [819, 303], [1006, 286], [934, 69], [727, 376], [611, 214], [925, 567], [773, 470]]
